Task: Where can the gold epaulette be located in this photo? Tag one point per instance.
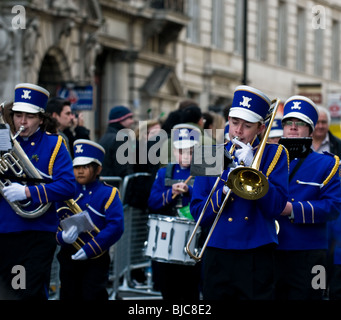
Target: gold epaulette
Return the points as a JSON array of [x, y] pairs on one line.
[[275, 160]]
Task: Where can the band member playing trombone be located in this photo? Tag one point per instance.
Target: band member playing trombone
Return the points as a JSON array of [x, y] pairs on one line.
[[239, 260], [314, 199], [84, 256], [28, 221]]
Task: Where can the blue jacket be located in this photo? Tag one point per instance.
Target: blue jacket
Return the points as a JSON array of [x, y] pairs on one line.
[[245, 224], [49, 155], [313, 205], [160, 198], [106, 212]]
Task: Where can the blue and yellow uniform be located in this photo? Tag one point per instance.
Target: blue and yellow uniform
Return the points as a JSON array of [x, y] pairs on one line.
[[239, 259], [245, 224], [84, 261], [160, 199], [49, 155], [314, 199], [30, 242], [175, 280], [106, 212]]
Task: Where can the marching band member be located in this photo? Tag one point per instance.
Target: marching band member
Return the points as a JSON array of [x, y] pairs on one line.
[[314, 199], [30, 242], [84, 272], [168, 194], [239, 259]]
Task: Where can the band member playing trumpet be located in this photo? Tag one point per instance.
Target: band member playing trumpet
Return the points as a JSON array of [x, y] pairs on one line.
[[84, 271], [28, 241], [239, 259], [314, 199], [172, 191]]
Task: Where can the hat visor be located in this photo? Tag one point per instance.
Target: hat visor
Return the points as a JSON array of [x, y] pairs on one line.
[[26, 107], [184, 144], [244, 114], [82, 161], [275, 133]]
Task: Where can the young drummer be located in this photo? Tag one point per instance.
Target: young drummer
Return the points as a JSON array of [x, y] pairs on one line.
[[84, 271], [168, 194]]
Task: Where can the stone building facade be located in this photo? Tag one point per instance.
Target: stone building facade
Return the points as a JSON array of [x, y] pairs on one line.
[[151, 54]]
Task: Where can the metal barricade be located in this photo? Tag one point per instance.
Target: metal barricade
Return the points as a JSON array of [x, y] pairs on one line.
[[128, 251]]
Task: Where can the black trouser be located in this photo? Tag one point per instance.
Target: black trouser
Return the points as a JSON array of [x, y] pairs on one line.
[[294, 274], [239, 274], [178, 281], [83, 279], [32, 252], [334, 274]]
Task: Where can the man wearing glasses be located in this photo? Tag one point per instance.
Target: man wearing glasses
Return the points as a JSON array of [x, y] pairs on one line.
[[314, 199]]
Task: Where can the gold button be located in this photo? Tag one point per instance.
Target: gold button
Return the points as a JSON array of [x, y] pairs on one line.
[[33, 143], [230, 219], [90, 192], [292, 200], [246, 218]]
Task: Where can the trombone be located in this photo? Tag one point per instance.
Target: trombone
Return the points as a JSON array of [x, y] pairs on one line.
[[246, 182]]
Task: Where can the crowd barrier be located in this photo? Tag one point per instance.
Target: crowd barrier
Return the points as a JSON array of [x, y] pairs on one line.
[[127, 254]]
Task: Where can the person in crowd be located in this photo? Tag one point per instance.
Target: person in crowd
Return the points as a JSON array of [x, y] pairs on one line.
[[238, 263], [171, 192], [117, 163], [84, 255], [27, 233], [314, 199], [323, 139], [60, 110]]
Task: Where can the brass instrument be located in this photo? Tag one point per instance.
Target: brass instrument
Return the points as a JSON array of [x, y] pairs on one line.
[[72, 206], [247, 182], [16, 161]]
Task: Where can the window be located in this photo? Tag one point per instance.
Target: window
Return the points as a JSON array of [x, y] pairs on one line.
[[301, 40], [218, 19], [282, 42], [262, 30]]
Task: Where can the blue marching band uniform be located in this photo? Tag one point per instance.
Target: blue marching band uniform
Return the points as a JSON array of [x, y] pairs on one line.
[[246, 230], [88, 279]]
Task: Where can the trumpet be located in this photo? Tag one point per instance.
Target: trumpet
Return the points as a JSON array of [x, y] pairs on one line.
[[17, 162], [246, 182]]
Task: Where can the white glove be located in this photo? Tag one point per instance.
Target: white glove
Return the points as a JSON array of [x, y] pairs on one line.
[[15, 192], [71, 235], [79, 255], [244, 153]]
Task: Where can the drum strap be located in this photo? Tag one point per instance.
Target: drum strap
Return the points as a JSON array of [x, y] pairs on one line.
[[169, 174]]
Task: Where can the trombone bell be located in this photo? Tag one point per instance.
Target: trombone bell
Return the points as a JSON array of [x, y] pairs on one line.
[[248, 183]]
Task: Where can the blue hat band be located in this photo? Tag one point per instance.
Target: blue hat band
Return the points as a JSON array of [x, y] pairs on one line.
[[301, 109], [31, 96], [86, 151], [251, 101]]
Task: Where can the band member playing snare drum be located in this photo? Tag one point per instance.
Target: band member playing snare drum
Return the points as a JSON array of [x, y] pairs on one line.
[[170, 195]]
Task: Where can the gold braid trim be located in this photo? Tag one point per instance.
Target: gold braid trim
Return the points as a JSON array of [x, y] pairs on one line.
[[274, 160], [111, 199], [54, 154], [335, 168]]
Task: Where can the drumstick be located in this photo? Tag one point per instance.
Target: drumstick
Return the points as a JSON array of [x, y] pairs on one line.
[[186, 181]]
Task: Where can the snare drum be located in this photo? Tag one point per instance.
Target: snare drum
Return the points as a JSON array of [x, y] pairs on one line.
[[168, 237]]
